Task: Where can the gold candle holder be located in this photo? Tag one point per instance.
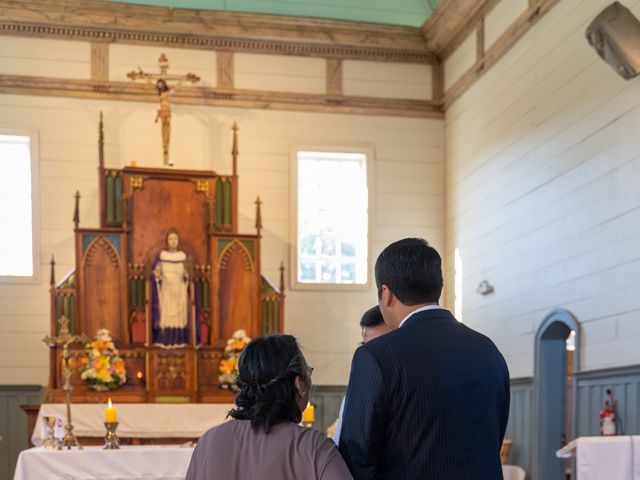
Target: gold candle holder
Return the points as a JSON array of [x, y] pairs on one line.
[[111, 440]]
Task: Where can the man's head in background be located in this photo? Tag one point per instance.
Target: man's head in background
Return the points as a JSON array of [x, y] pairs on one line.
[[373, 324]]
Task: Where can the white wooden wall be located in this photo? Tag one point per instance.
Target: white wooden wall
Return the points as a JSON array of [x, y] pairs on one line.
[[543, 197], [408, 186]]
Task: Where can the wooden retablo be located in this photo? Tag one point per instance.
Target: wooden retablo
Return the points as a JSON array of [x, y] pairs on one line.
[[170, 276]]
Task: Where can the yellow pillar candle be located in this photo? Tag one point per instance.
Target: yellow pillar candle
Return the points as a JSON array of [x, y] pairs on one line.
[[110, 413], [309, 414]]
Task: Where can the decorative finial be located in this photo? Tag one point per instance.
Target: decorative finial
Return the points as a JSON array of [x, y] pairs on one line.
[[281, 277], [258, 215], [76, 212], [234, 148], [52, 280]]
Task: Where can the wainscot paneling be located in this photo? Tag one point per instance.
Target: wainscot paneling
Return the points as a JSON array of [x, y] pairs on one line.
[[13, 424], [592, 387], [519, 426], [327, 399]]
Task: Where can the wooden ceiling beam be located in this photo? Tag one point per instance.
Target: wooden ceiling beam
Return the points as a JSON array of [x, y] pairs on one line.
[[93, 20], [204, 96]]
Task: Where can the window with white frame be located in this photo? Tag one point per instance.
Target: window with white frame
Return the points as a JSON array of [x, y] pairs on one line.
[[16, 208], [331, 245]]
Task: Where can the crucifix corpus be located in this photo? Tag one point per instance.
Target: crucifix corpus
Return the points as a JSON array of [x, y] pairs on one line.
[[165, 84]]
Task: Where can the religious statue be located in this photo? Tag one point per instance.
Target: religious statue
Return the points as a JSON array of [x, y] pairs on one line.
[[610, 421], [164, 90], [170, 312]]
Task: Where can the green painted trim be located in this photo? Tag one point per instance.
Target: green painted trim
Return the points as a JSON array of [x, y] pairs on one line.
[[117, 198], [222, 244], [86, 240], [248, 244], [219, 201], [110, 193], [226, 205]]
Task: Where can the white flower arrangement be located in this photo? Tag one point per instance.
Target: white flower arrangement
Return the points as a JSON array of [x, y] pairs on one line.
[[229, 363], [102, 367]]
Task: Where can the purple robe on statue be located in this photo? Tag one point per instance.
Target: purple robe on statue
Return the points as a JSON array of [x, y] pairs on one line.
[[170, 306]]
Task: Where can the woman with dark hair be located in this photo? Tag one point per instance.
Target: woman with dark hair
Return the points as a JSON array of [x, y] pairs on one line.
[[263, 439]]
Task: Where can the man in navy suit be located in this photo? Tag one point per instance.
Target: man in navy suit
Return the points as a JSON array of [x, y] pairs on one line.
[[430, 399]]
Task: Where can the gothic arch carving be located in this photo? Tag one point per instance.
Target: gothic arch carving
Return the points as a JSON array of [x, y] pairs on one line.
[[236, 247], [103, 244]]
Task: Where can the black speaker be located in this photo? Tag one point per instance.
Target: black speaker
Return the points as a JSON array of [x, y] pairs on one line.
[[615, 35]]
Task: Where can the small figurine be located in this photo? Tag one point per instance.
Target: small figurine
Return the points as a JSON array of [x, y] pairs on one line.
[[610, 421], [607, 420]]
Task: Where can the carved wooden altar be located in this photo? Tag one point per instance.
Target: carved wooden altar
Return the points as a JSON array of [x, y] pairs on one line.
[[110, 286]]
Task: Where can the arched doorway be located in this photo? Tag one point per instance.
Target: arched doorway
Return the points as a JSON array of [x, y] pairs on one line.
[[554, 418]]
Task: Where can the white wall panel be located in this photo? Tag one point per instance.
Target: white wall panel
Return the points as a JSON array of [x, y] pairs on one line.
[[279, 73], [501, 17], [41, 57], [541, 187], [387, 80], [460, 61]]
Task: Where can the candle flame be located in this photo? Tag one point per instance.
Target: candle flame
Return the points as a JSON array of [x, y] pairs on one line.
[[139, 375], [308, 404], [110, 403]]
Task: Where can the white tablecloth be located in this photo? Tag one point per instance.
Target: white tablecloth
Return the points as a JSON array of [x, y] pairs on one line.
[[605, 458], [158, 462], [513, 472], [138, 420]]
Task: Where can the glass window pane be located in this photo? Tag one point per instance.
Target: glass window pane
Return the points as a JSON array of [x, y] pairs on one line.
[[16, 247], [308, 245], [332, 213], [348, 272], [307, 272], [328, 273]]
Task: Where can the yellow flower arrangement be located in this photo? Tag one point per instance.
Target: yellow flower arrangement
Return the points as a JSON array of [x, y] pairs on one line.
[[229, 363], [101, 367]]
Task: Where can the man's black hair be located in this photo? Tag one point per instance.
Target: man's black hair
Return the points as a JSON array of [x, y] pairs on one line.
[[372, 318], [412, 270]]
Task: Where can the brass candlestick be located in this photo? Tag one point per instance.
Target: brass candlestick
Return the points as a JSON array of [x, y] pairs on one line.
[[111, 440], [64, 339]]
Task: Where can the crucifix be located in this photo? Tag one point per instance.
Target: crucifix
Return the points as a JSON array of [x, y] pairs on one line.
[[64, 339], [165, 84]]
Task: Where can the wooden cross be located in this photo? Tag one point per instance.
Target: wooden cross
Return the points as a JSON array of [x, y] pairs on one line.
[[165, 84]]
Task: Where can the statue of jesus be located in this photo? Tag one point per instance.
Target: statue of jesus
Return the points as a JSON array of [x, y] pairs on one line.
[[164, 89]]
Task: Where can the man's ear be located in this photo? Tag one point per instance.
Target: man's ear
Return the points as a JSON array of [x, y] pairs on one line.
[[387, 298]]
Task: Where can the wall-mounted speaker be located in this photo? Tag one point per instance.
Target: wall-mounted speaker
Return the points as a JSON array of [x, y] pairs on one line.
[[615, 35]]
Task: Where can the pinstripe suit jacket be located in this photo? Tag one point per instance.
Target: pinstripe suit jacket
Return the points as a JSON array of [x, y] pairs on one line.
[[427, 401]]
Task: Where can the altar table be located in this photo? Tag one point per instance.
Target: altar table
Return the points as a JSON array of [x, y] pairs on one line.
[[605, 458], [137, 420], [158, 462]]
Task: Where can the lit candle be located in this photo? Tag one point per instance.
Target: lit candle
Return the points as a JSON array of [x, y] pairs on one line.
[[110, 413], [309, 414]]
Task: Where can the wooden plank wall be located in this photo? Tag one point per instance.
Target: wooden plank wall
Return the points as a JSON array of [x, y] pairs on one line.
[[407, 180], [542, 197]]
